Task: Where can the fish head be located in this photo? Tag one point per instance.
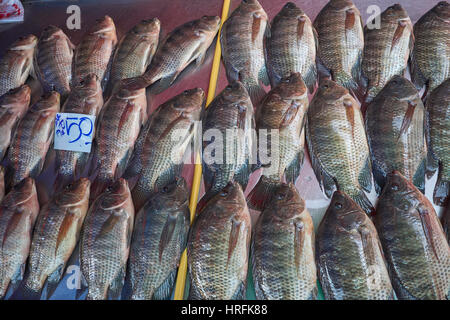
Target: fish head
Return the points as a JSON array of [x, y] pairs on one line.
[[89, 86], [149, 28], [346, 212], [254, 7], [190, 102], [23, 191], [115, 195], [399, 87], [331, 91], [49, 100], [173, 193], [126, 92], [399, 191], [341, 5], [235, 92], [17, 96], [206, 27], [292, 87], [442, 10], [74, 193], [285, 203], [51, 32], [28, 42], [106, 27], [230, 198], [291, 10], [397, 14]]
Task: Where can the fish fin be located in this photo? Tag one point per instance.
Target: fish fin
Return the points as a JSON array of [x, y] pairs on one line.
[[165, 82], [426, 219], [256, 93], [231, 71], [23, 292], [299, 239], [67, 222], [311, 78], [417, 76], [367, 245], [166, 234], [54, 279], [293, 170], [116, 286], [243, 174], [263, 75], [108, 225], [122, 164], [234, 237], [347, 81], [259, 196], [365, 176], [11, 226], [419, 176], [361, 199], [200, 59], [407, 118], [323, 72], [398, 34], [441, 193], [240, 291], [164, 291], [256, 26], [379, 176]]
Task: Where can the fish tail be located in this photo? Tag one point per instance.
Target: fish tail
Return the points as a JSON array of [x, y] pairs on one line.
[[259, 196], [361, 199], [441, 192]]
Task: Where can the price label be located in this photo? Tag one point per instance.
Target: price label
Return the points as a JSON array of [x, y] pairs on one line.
[[74, 132]]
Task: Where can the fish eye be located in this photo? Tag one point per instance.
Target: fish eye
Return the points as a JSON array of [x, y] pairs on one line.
[[223, 193], [69, 186], [165, 189], [185, 92], [281, 196], [325, 86], [395, 187], [205, 17], [338, 205]]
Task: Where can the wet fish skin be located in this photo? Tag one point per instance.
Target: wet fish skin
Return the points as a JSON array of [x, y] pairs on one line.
[[429, 60], [2, 182], [283, 243], [17, 63], [291, 46], [105, 241], [13, 106], [18, 212], [53, 60], [32, 139], [218, 247], [162, 153], [446, 222], [414, 243], [242, 43], [341, 42], [85, 98], [55, 236], [159, 238], [348, 254], [394, 124], [337, 143]]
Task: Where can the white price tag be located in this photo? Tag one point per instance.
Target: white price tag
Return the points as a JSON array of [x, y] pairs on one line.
[[74, 132]]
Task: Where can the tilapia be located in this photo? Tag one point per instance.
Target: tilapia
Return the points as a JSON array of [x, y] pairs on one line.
[[291, 46], [171, 131], [17, 63], [337, 143], [95, 51], [218, 247], [341, 42], [13, 105], [32, 139], [2, 182], [349, 255], [242, 42], [414, 243], [18, 212], [105, 242], [280, 127], [438, 137], [55, 236], [386, 49], [118, 127], [430, 59], [159, 238], [395, 131], [53, 60], [282, 249], [85, 98]]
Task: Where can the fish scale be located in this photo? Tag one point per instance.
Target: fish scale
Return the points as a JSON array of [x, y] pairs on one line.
[[2, 182]]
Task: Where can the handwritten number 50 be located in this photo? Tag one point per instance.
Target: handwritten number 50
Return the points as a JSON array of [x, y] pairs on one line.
[[78, 125]]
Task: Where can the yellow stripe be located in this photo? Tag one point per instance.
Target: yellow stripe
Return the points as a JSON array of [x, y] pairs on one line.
[[182, 270]]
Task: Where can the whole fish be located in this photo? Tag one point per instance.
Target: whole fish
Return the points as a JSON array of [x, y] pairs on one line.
[[395, 130], [17, 63], [159, 238], [118, 127], [171, 131], [414, 243], [337, 143], [32, 139], [291, 46], [242, 41], [282, 249], [13, 106], [2, 182], [53, 60], [105, 241], [94, 53], [282, 112], [185, 44], [386, 49], [349, 255], [431, 55], [55, 236], [438, 136], [446, 222], [218, 247], [85, 98], [18, 212], [341, 42]]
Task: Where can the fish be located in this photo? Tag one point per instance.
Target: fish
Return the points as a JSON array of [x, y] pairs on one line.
[[18, 212], [242, 42], [171, 131], [17, 63], [429, 62], [446, 222], [218, 247], [284, 110], [13, 106], [283, 244], [413, 241], [85, 98], [394, 124], [32, 139], [118, 127], [181, 47], [53, 60], [337, 144], [291, 46], [341, 42], [105, 242], [95, 51], [2, 182], [349, 256], [438, 140], [386, 50], [159, 238], [55, 236]]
